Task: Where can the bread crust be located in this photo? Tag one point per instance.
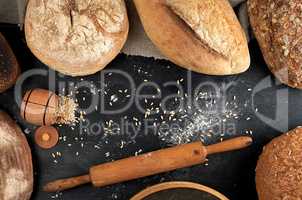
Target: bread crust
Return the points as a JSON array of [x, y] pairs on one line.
[[16, 170], [188, 34], [9, 67], [277, 25], [279, 169], [76, 37]]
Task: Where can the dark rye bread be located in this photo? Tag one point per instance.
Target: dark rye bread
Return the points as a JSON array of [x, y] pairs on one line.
[[16, 170], [279, 169], [9, 68], [277, 25]]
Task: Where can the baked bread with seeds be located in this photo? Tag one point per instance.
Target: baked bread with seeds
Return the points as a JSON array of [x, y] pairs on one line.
[[277, 25], [279, 169]]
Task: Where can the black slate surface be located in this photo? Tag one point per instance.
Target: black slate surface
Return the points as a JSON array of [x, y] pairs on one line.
[[230, 173]]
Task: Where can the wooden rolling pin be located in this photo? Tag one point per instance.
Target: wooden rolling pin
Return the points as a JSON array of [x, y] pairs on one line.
[[148, 164]]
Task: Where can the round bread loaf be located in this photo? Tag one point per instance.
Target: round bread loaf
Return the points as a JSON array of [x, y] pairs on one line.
[[279, 169], [278, 29], [16, 170], [76, 37], [9, 68]]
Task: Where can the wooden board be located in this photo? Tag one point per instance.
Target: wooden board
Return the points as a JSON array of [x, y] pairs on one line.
[[16, 169]]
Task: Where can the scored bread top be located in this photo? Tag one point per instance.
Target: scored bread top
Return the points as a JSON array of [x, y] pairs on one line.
[[214, 26], [279, 169], [74, 33], [174, 27], [278, 28]]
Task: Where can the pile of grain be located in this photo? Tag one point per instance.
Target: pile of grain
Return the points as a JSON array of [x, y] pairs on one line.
[[66, 111]]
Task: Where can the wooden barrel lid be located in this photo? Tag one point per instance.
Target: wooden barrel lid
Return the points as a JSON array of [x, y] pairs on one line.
[[16, 170], [46, 137], [159, 192]]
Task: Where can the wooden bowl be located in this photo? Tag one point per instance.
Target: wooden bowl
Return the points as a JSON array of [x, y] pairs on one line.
[[172, 187]]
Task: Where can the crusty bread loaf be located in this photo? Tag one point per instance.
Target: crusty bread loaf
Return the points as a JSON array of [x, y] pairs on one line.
[[277, 25], [9, 68], [279, 169], [16, 170], [204, 36], [76, 37]]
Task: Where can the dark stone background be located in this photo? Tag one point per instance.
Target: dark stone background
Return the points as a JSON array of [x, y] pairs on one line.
[[230, 173]]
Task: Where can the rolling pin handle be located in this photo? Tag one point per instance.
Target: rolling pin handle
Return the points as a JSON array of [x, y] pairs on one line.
[[65, 184], [229, 145]]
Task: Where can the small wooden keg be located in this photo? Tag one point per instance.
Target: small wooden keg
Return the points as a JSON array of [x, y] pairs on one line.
[[39, 107]]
